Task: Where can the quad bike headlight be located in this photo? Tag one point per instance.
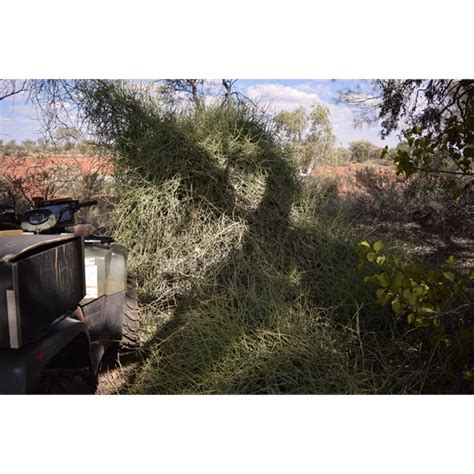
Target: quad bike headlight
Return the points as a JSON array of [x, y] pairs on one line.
[[38, 220], [38, 217]]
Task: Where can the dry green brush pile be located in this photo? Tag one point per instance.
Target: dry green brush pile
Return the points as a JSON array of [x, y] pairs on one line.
[[248, 286]]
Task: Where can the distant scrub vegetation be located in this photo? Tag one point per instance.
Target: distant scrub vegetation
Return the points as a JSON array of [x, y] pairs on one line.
[[42, 147], [357, 152]]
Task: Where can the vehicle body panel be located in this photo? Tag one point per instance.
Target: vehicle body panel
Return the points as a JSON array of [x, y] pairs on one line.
[[21, 369], [41, 281]]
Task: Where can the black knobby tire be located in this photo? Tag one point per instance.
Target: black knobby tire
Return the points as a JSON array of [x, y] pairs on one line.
[[67, 382], [131, 319]]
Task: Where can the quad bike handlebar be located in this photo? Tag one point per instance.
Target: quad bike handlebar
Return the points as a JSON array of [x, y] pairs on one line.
[[92, 202], [45, 216], [55, 214]]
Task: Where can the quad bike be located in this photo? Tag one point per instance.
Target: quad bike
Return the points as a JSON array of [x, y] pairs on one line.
[[66, 304]]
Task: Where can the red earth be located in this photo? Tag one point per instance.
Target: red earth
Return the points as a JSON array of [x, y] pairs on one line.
[[47, 175], [15, 167], [344, 175]]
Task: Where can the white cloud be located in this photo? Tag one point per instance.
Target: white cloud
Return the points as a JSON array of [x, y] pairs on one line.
[[321, 88], [280, 97]]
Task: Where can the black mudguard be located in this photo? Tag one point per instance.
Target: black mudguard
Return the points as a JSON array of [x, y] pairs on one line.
[[21, 369], [104, 320]]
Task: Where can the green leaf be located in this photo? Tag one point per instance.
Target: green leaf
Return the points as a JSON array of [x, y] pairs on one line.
[[449, 276], [382, 280], [420, 290], [428, 308], [378, 246], [458, 287], [397, 307], [410, 297], [414, 270], [370, 279], [411, 318], [371, 256], [451, 260], [380, 260], [383, 297], [397, 283], [420, 322], [431, 277]]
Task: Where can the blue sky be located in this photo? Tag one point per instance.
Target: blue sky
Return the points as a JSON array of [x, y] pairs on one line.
[[18, 119]]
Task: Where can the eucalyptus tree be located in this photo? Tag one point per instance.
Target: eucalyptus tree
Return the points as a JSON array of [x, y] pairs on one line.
[[308, 136]]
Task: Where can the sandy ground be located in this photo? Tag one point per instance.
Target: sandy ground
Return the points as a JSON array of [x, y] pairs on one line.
[[116, 380]]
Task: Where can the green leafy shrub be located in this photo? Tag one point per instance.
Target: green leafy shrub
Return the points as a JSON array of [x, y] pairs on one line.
[[450, 152], [437, 303], [364, 150], [425, 297]]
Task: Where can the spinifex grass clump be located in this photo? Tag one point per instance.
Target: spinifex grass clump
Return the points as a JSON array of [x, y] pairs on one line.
[[189, 186], [174, 241]]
